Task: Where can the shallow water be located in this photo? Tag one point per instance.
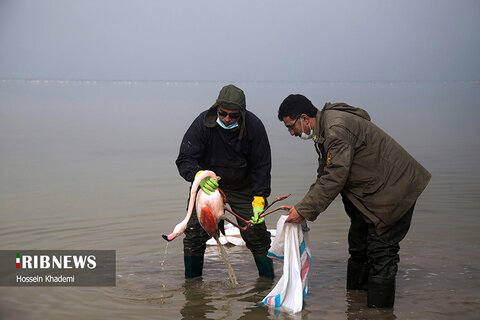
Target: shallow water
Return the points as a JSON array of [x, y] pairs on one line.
[[90, 165]]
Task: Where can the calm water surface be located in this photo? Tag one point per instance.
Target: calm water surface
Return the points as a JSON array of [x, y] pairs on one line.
[[90, 165]]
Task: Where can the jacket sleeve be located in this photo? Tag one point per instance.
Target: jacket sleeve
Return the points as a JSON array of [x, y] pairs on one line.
[[192, 150], [336, 167], [260, 162]]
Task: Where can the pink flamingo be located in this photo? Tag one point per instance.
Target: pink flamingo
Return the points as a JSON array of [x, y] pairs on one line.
[[211, 208]]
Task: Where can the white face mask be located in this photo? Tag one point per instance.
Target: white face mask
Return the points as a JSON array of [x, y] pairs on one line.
[[305, 136], [233, 125]]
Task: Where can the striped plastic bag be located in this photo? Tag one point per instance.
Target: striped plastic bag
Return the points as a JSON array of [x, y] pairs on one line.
[[291, 246]]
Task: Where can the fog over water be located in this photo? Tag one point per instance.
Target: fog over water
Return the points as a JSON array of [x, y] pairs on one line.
[[218, 40]]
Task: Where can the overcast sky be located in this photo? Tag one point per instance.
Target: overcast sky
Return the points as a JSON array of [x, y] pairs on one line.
[[250, 40]]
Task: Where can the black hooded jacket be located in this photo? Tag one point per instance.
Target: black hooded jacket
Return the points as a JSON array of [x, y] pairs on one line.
[[239, 162]]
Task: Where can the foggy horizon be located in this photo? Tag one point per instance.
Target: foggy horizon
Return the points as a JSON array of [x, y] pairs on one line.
[[225, 41]]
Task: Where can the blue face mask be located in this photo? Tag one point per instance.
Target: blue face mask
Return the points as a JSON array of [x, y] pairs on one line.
[[233, 125]]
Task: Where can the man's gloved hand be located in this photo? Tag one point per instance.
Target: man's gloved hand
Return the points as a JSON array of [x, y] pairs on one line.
[[258, 204], [208, 184]]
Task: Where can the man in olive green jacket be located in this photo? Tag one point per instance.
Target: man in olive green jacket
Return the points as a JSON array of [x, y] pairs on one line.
[[379, 182]]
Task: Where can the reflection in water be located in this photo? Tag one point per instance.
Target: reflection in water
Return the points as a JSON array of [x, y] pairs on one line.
[[203, 301], [357, 308], [197, 301]]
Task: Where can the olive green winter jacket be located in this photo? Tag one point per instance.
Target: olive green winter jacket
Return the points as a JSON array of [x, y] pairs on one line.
[[360, 160]]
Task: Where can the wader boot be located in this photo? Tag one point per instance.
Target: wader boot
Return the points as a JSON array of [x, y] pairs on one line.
[[358, 267], [265, 267], [357, 275], [381, 292], [193, 266]]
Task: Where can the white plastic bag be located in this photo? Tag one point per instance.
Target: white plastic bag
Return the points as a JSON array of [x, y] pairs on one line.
[[291, 245]]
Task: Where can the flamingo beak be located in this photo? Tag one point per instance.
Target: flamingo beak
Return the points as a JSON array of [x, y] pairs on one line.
[[208, 221], [170, 237]]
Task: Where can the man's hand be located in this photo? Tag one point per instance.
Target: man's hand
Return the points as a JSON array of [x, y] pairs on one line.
[[294, 216], [208, 185], [256, 212], [258, 204]]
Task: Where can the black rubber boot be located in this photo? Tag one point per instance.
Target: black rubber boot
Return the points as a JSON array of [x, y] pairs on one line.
[[357, 275], [381, 292], [265, 267], [193, 266]]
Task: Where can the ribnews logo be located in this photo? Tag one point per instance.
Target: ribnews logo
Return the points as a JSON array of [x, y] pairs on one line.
[[58, 268], [59, 262]]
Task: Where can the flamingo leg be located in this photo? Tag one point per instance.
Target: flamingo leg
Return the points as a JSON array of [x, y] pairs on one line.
[[236, 215], [285, 196], [261, 215], [236, 225], [279, 208]]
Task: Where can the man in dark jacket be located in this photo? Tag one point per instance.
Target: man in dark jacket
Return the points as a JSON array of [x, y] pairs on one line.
[[379, 183], [232, 142]]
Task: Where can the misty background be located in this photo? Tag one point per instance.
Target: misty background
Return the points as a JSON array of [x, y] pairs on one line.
[[426, 40]]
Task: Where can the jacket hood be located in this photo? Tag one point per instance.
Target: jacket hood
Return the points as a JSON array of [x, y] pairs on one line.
[[230, 98], [347, 108]]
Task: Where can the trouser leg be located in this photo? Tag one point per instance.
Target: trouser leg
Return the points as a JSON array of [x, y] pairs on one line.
[[383, 256], [357, 267], [256, 237], [374, 258]]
